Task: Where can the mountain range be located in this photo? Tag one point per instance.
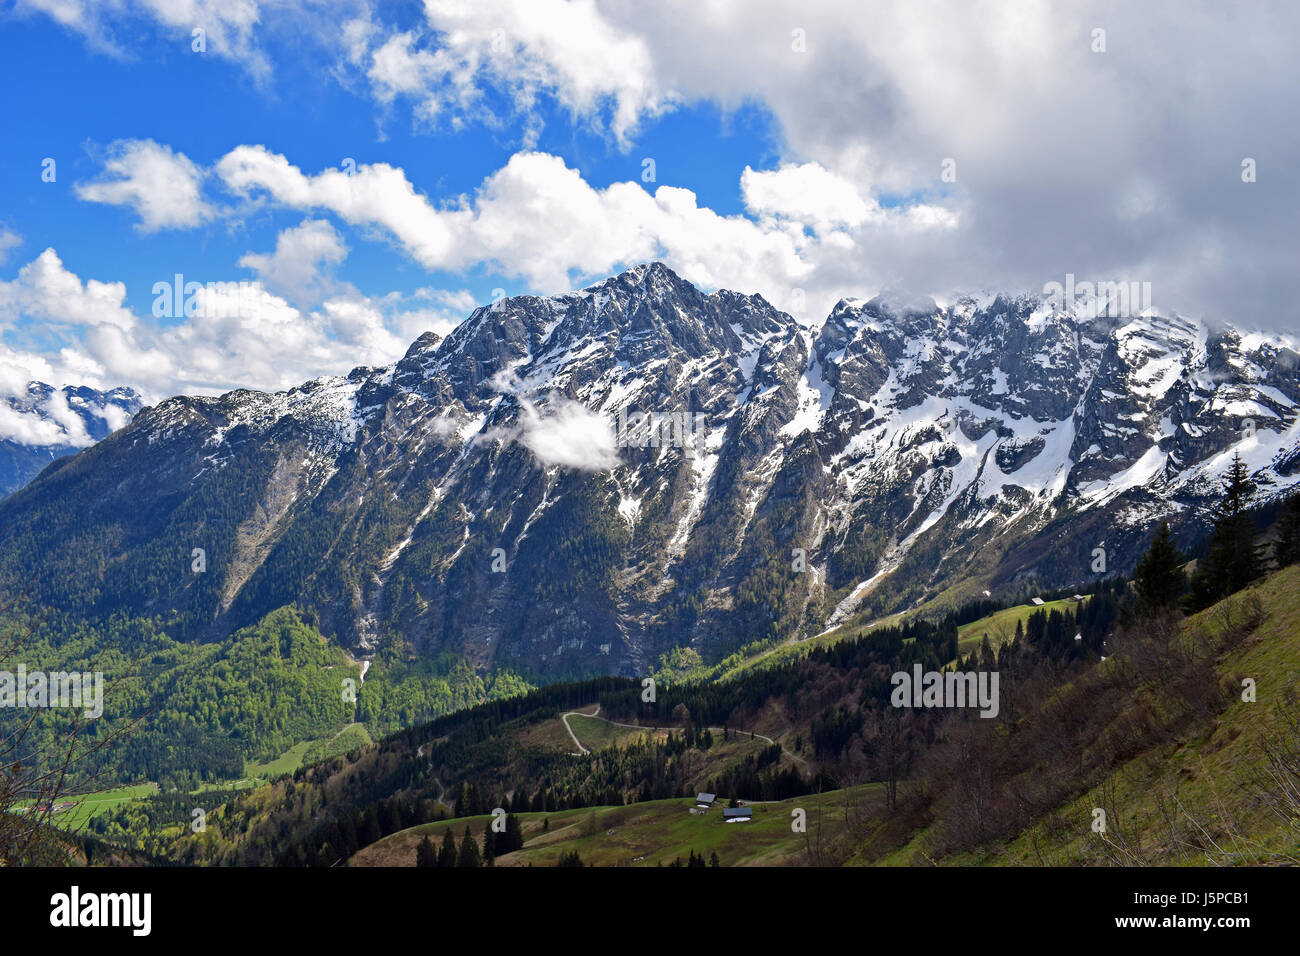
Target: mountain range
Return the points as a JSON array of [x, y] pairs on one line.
[[576, 484], [44, 423]]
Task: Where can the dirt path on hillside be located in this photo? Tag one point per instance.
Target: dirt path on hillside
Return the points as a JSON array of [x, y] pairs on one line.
[[596, 713], [582, 751]]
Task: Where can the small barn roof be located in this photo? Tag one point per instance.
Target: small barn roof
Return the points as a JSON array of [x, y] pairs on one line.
[[703, 797], [738, 812]]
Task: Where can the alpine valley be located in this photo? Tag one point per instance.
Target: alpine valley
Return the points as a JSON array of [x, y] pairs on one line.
[[489, 496]]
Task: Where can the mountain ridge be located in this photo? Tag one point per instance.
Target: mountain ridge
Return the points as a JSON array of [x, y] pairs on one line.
[[477, 495]]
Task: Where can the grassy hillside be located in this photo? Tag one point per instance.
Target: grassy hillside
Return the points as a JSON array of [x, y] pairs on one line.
[[597, 734], [652, 834], [1001, 625], [1157, 735], [1179, 761], [1159, 738], [1217, 793]]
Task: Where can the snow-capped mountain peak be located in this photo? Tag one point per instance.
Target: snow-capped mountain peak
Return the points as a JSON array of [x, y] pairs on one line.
[[584, 480]]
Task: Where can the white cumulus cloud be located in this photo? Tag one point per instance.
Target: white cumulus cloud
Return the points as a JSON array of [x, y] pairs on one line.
[[299, 267], [163, 187], [45, 290], [237, 334], [538, 219]]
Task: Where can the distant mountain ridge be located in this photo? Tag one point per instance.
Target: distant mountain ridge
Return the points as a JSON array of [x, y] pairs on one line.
[[48, 423], [477, 496]]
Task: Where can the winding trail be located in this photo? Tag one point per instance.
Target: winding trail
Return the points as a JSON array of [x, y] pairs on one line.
[[582, 751], [595, 713]]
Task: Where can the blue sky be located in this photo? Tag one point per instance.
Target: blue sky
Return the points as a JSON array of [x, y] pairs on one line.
[[806, 151], [70, 103]]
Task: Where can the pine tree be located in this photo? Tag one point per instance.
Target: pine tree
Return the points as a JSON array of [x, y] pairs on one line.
[[425, 854], [489, 844], [469, 855], [514, 836], [1286, 550], [1158, 578], [447, 855], [1233, 560]]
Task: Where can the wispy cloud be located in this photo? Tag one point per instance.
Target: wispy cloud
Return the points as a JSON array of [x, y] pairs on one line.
[[560, 431]]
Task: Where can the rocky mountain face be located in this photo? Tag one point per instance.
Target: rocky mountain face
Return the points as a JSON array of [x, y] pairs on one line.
[[47, 423], [578, 483]]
